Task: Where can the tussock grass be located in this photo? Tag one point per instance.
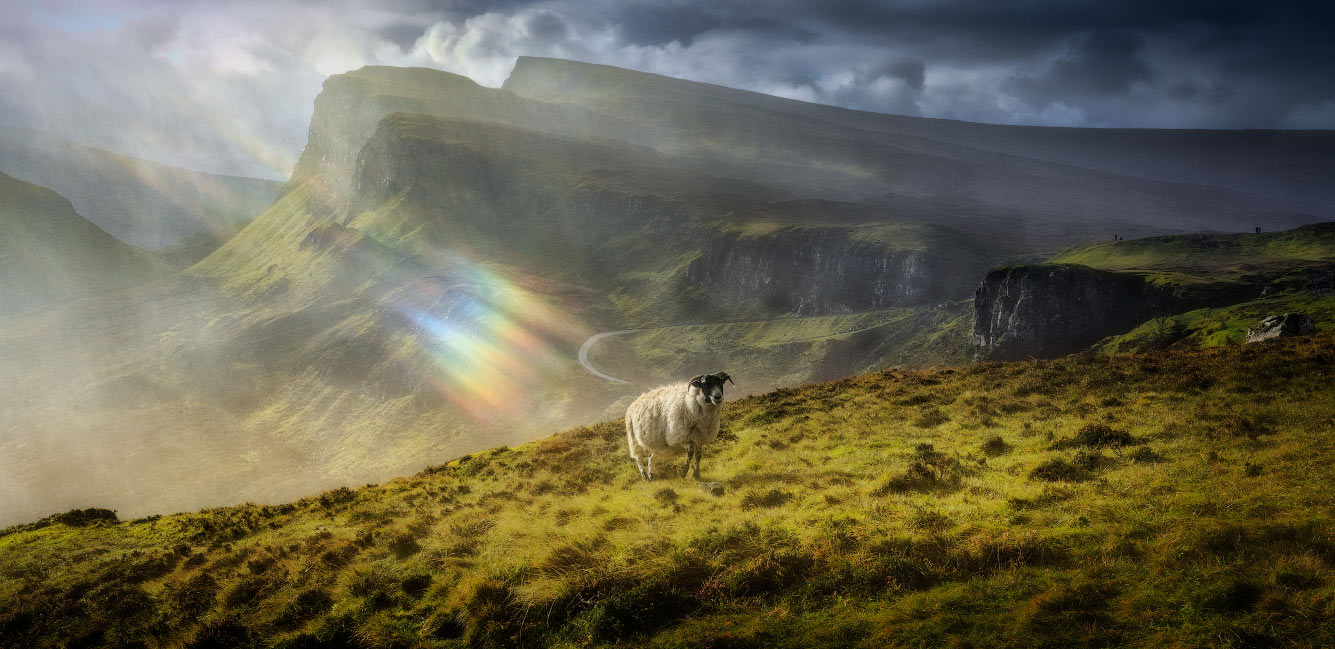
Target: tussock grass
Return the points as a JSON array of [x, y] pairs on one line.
[[1137, 500]]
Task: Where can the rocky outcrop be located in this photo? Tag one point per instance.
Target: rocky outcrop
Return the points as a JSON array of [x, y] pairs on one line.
[[818, 271], [350, 107], [1281, 326], [1053, 309]]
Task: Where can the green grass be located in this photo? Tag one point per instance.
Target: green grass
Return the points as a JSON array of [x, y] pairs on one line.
[[1184, 504], [1291, 270], [786, 352], [1184, 259], [1219, 326]]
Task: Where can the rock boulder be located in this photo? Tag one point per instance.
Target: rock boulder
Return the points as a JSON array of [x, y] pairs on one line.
[[1279, 326]]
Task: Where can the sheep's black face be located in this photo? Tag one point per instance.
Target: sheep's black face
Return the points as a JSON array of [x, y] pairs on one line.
[[711, 386]]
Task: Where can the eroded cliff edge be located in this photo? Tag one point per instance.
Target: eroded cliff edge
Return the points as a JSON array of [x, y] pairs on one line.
[[1053, 309]]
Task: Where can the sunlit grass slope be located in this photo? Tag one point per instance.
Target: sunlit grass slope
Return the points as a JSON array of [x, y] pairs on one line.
[[785, 352], [1197, 258], [1168, 499], [1220, 326]]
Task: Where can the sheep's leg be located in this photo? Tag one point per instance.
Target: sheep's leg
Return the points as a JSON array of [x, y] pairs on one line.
[[650, 474], [690, 452], [698, 452], [635, 449]]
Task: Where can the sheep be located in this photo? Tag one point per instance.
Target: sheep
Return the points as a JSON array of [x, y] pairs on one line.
[[674, 417]]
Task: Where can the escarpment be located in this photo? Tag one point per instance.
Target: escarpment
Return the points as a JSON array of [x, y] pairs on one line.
[[1053, 309], [808, 272]]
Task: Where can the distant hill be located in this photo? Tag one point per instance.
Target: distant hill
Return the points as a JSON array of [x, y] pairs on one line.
[[143, 203], [669, 183], [49, 253], [1290, 167]]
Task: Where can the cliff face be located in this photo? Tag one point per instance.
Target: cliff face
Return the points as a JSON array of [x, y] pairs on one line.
[[1051, 309], [544, 200], [814, 272]]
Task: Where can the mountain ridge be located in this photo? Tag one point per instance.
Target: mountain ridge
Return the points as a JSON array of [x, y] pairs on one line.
[[1180, 155], [141, 202], [50, 253]]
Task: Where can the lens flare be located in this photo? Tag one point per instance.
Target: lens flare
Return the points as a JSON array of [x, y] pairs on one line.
[[493, 346]]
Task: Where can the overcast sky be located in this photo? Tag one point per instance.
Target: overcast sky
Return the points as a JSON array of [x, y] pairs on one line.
[[229, 86]]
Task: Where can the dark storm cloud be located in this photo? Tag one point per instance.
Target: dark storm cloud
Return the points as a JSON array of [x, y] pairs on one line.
[[1189, 91], [1008, 27], [229, 86], [660, 23], [403, 33], [546, 26], [651, 24], [910, 71], [1098, 65]]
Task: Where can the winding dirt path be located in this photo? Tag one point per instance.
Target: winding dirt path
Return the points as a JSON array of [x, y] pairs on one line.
[[588, 344]]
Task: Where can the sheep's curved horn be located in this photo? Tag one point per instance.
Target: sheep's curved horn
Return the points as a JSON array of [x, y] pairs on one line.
[[725, 377]]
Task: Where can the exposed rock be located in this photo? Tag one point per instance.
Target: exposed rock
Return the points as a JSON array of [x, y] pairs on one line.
[[712, 488], [1054, 309], [1279, 326], [819, 271]]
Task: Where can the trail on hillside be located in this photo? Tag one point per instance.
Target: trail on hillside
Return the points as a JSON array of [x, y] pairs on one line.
[[588, 344]]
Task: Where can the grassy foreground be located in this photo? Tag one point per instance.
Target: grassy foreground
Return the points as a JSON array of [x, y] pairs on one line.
[[1176, 498]]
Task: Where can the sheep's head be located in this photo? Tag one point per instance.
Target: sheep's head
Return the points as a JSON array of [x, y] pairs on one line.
[[711, 386]]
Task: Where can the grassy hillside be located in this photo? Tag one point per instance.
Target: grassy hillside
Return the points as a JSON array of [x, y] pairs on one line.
[[140, 202], [316, 357], [1166, 499], [1220, 326], [1205, 258], [1246, 277], [50, 253]]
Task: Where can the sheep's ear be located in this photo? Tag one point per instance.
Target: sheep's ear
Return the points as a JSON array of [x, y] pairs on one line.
[[698, 381], [723, 376]]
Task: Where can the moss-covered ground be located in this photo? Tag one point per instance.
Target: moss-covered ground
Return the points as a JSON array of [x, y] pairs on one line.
[[1210, 258]]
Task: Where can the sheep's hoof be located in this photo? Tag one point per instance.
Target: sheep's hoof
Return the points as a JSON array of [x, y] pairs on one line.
[[712, 488]]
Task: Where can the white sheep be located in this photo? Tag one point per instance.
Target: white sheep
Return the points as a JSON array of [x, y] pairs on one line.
[[676, 417]]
